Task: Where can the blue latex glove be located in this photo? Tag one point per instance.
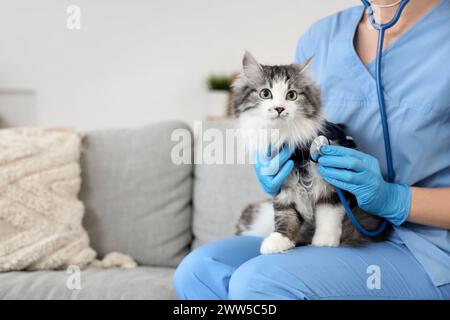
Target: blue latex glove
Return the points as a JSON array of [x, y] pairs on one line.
[[272, 172], [360, 174]]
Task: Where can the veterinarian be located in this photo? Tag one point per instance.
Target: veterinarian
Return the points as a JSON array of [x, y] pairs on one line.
[[415, 262]]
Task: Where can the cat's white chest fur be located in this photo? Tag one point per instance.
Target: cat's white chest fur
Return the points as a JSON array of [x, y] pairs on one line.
[[304, 192]]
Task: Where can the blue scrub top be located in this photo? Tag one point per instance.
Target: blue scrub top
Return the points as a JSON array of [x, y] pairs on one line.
[[416, 81]]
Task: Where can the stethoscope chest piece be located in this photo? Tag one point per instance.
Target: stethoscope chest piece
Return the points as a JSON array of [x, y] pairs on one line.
[[314, 150]]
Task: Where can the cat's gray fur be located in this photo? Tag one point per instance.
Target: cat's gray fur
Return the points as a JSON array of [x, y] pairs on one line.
[[307, 209]]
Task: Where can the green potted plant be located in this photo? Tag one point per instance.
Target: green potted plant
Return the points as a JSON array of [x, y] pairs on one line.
[[219, 86]]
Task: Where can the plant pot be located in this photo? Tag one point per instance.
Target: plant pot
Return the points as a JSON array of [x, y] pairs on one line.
[[217, 104]]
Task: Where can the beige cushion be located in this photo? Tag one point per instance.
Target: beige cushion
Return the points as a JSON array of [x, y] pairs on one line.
[[40, 215]]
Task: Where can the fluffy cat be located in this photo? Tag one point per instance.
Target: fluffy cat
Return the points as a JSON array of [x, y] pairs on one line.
[[307, 210]]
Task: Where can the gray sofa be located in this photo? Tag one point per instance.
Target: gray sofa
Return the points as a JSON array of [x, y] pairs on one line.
[[140, 203]]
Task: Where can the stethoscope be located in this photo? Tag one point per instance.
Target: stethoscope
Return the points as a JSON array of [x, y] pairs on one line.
[[382, 108]]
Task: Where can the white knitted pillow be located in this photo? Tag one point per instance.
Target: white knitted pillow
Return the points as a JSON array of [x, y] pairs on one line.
[[40, 214]]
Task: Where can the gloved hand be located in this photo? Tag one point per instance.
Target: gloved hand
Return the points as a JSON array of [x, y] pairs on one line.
[[360, 174], [272, 172]]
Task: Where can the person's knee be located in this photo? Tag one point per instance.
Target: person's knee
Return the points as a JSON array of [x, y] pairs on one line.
[[206, 271], [251, 281], [243, 282], [260, 279], [202, 274], [188, 273]]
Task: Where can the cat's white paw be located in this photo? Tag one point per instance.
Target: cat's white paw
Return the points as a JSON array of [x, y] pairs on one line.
[[276, 243], [326, 239]]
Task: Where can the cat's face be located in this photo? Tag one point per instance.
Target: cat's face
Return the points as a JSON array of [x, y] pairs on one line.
[[277, 97]]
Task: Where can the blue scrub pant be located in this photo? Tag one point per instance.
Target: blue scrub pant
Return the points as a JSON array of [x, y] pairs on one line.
[[234, 269]]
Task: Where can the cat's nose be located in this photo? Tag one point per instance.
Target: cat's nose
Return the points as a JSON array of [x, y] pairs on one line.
[[279, 109]]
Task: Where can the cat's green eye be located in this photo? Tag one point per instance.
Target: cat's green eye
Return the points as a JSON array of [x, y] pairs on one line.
[[265, 94], [291, 95]]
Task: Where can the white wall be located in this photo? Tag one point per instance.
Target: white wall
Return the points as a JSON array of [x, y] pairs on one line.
[[135, 61]]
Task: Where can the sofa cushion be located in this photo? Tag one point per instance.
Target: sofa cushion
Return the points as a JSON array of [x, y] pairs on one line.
[[221, 192], [138, 283], [137, 200], [40, 214]]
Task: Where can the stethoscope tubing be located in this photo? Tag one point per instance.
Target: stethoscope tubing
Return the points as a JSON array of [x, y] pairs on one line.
[[382, 109]]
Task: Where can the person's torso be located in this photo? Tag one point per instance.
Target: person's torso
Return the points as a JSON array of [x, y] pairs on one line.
[[416, 83]]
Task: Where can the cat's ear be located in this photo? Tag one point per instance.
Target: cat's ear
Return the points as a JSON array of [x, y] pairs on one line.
[[305, 65], [250, 66]]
